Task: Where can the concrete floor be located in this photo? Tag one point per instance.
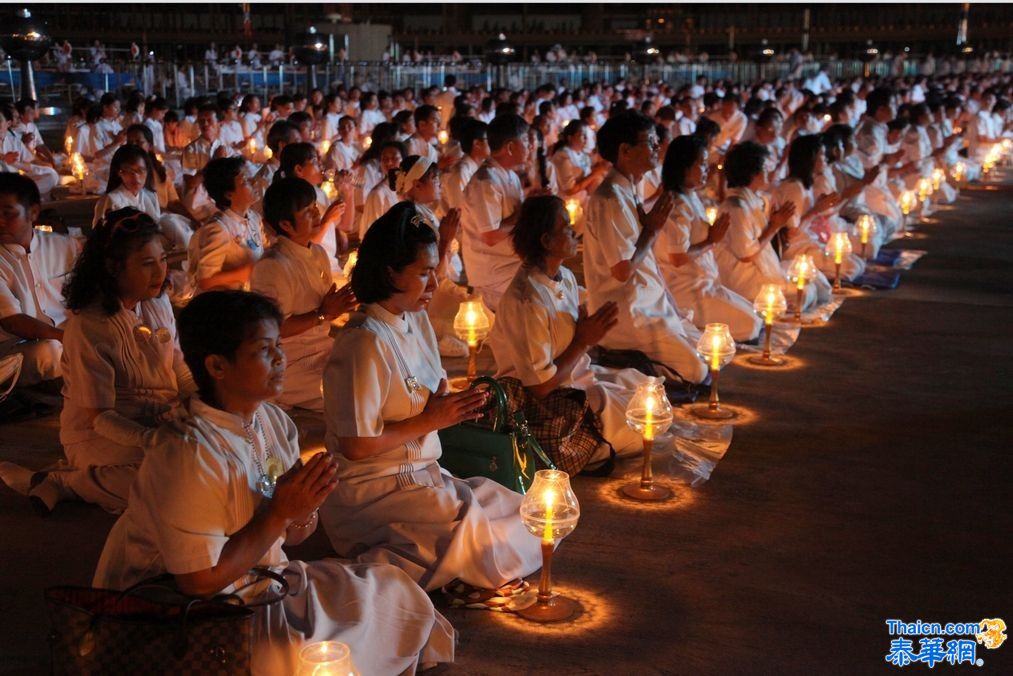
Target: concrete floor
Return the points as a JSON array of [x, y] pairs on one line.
[[872, 484]]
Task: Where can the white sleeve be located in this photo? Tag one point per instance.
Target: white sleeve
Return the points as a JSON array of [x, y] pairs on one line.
[[484, 204], [356, 384], [740, 238], [526, 340], [616, 229]]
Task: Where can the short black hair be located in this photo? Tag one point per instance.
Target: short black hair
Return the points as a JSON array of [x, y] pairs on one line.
[[392, 242], [293, 155], [505, 128], [743, 162], [24, 104], [279, 133], [283, 198], [707, 129], [424, 112], [300, 117], [471, 130], [22, 187], [682, 154], [217, 322], [623, 128], [877, 99], [537, 218], [220, 178]]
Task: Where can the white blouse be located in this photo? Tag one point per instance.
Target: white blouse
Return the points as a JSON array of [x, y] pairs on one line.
[[383, 368], [492, 195], [225, 242], [112, 362], [120, 198], [687, 225]]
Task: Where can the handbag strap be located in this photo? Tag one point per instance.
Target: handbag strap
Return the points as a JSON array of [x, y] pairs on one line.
[[501, 409], [528, 439], [261, 572]]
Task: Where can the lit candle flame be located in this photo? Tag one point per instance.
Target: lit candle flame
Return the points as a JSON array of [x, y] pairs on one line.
[[443, 137], [549, 500], [367, 142], [572, 206], [68, 144], [712, 214], [715, 352], [325, 146]]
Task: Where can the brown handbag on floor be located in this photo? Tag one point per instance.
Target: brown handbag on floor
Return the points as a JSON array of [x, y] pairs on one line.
[[151, 628]]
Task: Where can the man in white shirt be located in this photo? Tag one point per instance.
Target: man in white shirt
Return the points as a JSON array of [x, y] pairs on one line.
[[732, 122], [475, 148], [492, 203], [33, 266], [195, 157], [423, 142], [619, 262]]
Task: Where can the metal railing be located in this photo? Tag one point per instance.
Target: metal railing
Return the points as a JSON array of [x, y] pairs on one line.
[[176, 82]]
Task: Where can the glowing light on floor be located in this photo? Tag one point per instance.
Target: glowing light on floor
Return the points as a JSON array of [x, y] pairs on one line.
[[743, 415], [595, 611], [790, 364]]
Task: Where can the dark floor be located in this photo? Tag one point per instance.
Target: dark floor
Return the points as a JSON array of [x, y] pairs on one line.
[[873, 484]]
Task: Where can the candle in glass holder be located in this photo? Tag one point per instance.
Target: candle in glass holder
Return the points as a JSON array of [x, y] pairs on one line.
[[367, 142], [769, 303], [68, 144], [268, 153], [443, 137], [838, 246], [958, 172], [649, 413], [330, 190], [572, 210], [251, 147], [325, 146], [471, 324], [866, 226], [801, 273], [326, 658], [717, 347], [938, 176], [549, 511], [712, 214], [924, 188]]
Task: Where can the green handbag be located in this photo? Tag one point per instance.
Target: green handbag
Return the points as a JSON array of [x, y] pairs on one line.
[[504, 452]]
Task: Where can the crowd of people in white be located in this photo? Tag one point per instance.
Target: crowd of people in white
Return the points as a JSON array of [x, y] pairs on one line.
[[176, 378]]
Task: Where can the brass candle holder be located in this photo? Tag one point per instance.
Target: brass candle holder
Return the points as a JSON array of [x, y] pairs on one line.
[[769, 303], [800, 273], [550, 511], [649, 413], [717, 347], [471, 324]]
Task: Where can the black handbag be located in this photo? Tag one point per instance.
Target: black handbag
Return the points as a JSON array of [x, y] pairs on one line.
[[152, 628], [503, 449]]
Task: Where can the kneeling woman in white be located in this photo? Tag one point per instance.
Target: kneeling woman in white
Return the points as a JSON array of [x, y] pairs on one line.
[[806, 160], [295, 273], [385, 398], [545, 332], [685, 247], [122, 368], [223, 489], [746, 260]]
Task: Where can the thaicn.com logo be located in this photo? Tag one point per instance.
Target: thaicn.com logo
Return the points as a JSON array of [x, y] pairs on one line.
[[935, 644]]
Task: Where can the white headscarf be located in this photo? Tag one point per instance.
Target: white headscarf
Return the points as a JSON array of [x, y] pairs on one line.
[[404, 181]]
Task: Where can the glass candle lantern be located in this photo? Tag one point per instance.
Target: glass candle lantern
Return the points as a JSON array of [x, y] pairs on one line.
[[865, 228], [550, 512], [572, 210], [838, 247], [471, 324], [769, 303], [801, 273], [443, 137], [717, 348], [712, 214], [326, 658], [648, 413]]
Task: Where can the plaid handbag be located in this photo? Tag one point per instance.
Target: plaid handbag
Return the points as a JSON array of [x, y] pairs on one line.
[[151, 628], [565, 426]]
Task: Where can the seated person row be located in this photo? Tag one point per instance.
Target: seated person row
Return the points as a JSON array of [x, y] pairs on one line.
[[122, 368], [223, 490], [685, 247], [746, 260], [544, 341], [16, 156], [619, 258], [295, 273], [385, 398], [33, 265]]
